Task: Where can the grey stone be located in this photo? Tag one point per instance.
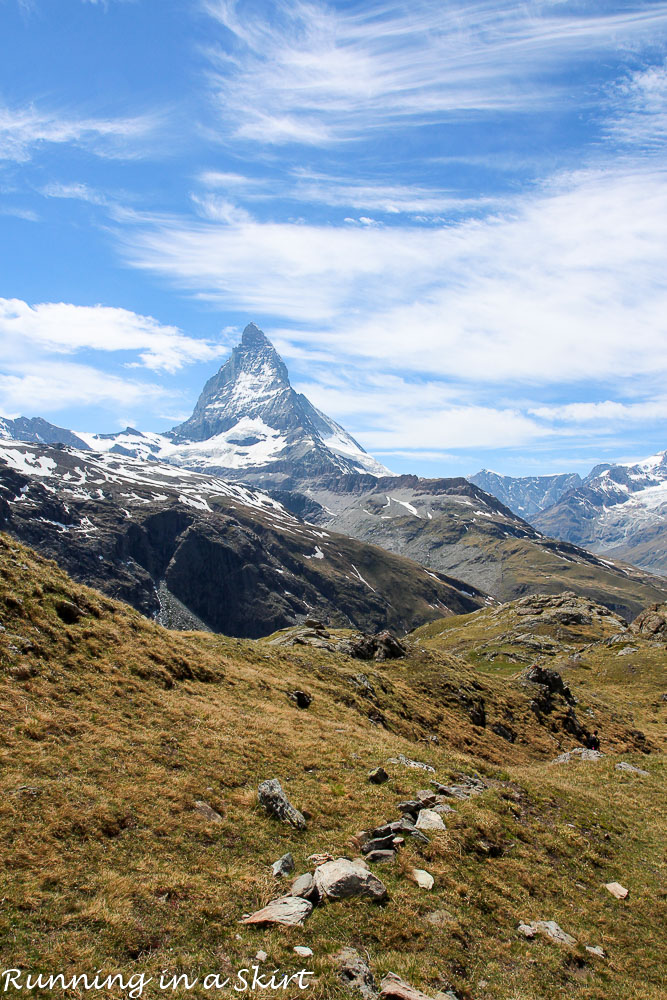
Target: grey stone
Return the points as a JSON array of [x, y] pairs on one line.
[[595, 950], [407, 762], [356, 974], [393, 987], [283, 866], [207, 811], [378, 844], [288, 910], [624, 766], [547, 928], [429, 820], [304, 886], [378, 856], [579, 753], [276, 803], [341, 878], [423, 878]]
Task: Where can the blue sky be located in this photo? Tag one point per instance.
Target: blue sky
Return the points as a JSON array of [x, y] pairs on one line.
[[450, 217]]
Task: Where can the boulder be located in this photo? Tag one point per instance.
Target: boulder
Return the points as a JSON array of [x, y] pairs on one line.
[[378, 844], [302, 951], [300, 698], [547, 928], [652, 622], [288, 910], [579, 753], [276, 803], [341, 878], [378, 776], [304, 886], [624, 766], [616, 889], [378, 856]]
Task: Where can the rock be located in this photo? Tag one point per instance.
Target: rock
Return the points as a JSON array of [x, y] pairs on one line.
[[378, 844], [616, 889], [387, 647], [579, 753], [547, 928], [314, 623], [319, 859], [426, 797], [407, 762], [304, 886], [378, 776], [393, 987], [341, 878], [300, 698], [429, 820], [423, 879], [506, 732], [261, 956], [652, 622], [439, 918], [442, 809], [624, 766], [68, 612], [412, 806], [283, 866], [276, 803], [552, 681], [302, 951], [595, 950], [377, 857], [288, 910], [207, 811], [356, 974]]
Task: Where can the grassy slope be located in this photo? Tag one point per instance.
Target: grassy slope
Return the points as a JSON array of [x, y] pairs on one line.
[[113, 727]]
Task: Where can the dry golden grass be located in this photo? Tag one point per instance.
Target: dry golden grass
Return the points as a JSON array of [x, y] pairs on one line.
[[114, 727]]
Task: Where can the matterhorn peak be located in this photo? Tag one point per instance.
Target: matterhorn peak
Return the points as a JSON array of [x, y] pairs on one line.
[[250, 423]]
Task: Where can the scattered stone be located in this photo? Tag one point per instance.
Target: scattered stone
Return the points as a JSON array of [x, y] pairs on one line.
[[378, 776], [302, 951], [319, 859], [407, 762], [377, 857], [429, 820], [442, 809], [356, 974], [548, 928], [68, 612], [276, 803], [207, 811], [624, 766], [423, 879], [439, 918], [300, 698], [579, 753], [283, 866], [378, 844], [393, 987], [261, 956], [426, 797], [595, 950], [341, 878], [288, 910], [304, 887], [616, 889]]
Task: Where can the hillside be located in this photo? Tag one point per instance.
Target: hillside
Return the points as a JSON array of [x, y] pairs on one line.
[[452, 526], [195, 551], [133, 840]]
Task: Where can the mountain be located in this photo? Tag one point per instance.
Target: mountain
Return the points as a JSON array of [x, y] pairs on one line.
[[196, 551], [39, 430], [249, 424], [452, 526], [619, 511], [526, 495]]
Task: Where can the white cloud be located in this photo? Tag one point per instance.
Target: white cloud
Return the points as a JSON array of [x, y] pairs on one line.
[[314, 74], [25, 130], [639, 119], [567, 286], [48, 387], [62, 328]]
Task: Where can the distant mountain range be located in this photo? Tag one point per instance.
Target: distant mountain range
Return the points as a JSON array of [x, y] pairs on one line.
[[617, 510], [168, 514]]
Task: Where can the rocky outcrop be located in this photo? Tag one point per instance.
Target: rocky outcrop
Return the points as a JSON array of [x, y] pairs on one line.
[[276, 803], [652, 623]]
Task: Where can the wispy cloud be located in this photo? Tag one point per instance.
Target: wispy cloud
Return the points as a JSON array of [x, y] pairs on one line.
[[314, 74], [57, 328], [24, 130], [639, 117]]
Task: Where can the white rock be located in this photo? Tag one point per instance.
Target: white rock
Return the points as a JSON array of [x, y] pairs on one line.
[[595, 950], [302, 951], [261, 956], [616, 889], [548, 928], [624, 766], [429, 820], [423, 879]]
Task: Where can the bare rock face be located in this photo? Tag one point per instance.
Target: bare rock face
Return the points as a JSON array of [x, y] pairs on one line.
[[340, 879], [274, 800], [652, 622], [288, 910]]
